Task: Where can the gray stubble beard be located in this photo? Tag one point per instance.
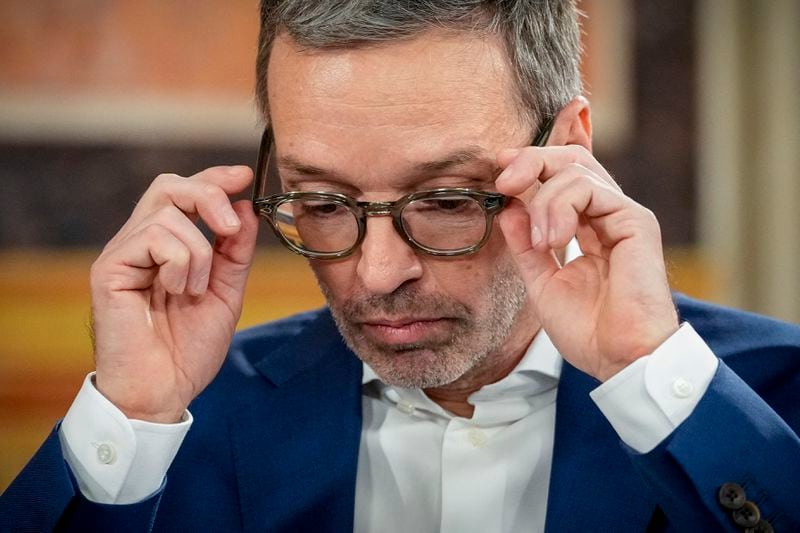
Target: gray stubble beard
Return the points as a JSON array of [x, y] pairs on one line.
[[474, 337]]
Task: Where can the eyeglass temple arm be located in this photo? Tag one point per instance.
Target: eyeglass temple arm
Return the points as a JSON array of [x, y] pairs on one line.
[[261, 164], [544, 132]]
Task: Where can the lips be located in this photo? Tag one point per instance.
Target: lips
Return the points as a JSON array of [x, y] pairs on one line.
[[399, 322], [405, 330]]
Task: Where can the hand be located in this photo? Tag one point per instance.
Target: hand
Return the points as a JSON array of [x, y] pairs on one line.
[[611, 306], [164, 302]]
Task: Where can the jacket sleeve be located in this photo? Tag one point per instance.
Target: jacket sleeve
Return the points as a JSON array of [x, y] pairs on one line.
[[45, 497], [733, 436]]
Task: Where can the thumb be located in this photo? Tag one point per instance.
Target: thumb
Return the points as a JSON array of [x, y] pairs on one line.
[[233, 254], [536, 268]]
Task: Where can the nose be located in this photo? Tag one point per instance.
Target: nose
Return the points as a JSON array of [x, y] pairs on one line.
[[386, 260]]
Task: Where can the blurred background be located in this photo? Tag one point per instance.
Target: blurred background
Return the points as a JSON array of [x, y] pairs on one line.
[[694, 104]]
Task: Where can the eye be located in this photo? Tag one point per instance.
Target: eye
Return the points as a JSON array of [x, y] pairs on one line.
[[322, 208], [451, 204], [443, 205]]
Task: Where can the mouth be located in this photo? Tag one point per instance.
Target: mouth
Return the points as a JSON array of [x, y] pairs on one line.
[[405, 330]]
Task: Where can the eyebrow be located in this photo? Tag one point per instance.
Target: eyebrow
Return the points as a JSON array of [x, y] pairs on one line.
[[450, 161], [464, 156], [296, 166]]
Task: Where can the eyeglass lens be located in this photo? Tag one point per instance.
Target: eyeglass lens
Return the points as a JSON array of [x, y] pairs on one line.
[[444, 223]]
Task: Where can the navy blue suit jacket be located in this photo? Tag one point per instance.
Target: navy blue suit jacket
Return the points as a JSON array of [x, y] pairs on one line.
[[274, 445]]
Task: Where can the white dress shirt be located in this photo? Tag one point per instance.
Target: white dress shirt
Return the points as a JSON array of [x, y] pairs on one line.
[[422, 469]]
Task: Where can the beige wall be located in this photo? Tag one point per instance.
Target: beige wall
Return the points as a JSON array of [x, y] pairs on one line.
[[749, 151]]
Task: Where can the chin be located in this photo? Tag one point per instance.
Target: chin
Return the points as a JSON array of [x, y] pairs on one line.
[[415, 367]]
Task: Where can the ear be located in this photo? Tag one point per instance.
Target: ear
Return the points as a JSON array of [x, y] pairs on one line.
[[573, 125]]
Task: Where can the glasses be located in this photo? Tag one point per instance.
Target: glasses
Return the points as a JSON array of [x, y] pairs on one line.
[[325, 225]]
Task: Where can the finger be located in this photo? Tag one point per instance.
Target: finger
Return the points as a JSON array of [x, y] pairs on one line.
[[199, 248], [596, 213], [534, 163], [233, 255], [557, 206], [507, 155], [588, 240], [536, 267], [204, 194], [636, 223], [152, 252]]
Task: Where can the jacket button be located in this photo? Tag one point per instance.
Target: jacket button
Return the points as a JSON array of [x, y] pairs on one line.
[[731, 496], [762, 527], [748, 515]]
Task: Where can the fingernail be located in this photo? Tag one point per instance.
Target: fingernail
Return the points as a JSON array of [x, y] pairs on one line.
[[536, 235], [230, 218], [236, 169], [199, 285], [180, 288], [552, 236]]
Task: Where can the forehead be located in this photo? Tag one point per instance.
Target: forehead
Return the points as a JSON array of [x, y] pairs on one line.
[[433, 93]]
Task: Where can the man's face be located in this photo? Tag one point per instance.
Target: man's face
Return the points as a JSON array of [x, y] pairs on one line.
[[380, 122]]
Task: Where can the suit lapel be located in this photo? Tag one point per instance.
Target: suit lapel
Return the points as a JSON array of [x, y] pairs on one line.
[[295, 445], [593, 486], [295, 442]]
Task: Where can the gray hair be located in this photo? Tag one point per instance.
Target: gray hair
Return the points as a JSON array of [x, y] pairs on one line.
[[542, 37]]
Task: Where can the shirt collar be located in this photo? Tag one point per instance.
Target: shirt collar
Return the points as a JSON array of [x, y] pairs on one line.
[[369, 375]]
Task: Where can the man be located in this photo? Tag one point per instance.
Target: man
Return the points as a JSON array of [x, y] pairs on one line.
[[393, 127]]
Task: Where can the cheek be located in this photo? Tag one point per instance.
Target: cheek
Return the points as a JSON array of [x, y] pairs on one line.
[[495, 251], [336, 277], [480, 271], [464, 280]]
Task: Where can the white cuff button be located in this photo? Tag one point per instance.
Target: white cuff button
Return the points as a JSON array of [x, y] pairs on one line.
[[106, 454], [682, 388]]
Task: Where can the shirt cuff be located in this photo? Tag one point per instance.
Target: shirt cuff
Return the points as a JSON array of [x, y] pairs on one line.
[[652, 396], [116, 460]]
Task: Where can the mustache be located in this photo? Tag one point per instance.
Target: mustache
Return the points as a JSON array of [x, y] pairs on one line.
[[405, 300]]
